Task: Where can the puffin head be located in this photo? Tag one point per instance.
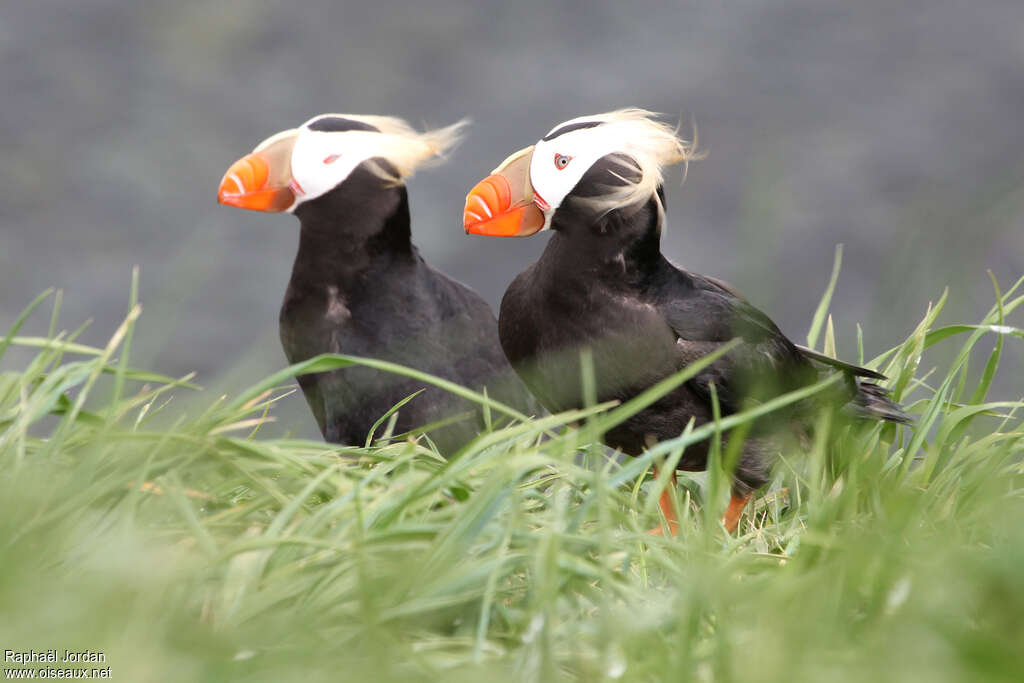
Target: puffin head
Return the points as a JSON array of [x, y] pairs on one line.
[[600, 163], [299, 165]]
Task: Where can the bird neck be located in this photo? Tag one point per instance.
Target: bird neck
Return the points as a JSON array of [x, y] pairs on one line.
[[345, 238], [622, 246]]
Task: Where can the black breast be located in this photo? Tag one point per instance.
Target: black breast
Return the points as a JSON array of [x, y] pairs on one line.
[[545, 329]]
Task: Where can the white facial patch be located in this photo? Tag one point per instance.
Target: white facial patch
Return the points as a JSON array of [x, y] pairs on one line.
[[322, 160], [559, 164]]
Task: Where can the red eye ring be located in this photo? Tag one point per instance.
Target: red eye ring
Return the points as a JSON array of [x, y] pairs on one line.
[[331, 158], [562, 160]]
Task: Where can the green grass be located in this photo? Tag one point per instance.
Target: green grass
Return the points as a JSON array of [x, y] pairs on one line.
[[192, 547]]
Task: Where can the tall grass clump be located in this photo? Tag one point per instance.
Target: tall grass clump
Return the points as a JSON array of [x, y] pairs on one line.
[[192, 547]]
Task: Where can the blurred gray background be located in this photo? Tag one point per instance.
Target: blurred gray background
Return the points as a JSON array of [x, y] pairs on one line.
[[894, 128]]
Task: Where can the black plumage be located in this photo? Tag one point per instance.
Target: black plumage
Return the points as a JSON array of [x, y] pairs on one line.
[[360, 287], [602, 283]]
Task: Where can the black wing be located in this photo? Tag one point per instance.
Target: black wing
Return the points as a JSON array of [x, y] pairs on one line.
[[705, 315], [848, 368]]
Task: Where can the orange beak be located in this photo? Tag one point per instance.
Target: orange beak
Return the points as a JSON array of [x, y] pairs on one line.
[[262, 180], [503, 204]]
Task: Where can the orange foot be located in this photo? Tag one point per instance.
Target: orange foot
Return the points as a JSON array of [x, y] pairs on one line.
[[667, 509], [731, 518]]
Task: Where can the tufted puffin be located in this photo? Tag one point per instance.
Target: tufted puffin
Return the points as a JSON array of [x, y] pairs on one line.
[[602, 283], [359, 286]]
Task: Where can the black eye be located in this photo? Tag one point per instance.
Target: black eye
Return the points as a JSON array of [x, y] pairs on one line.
[[561, 161]]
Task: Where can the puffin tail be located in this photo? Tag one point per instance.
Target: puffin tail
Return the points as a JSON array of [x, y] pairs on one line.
[[872, 402]]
